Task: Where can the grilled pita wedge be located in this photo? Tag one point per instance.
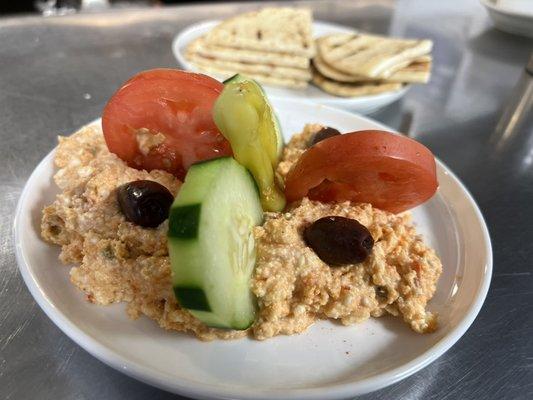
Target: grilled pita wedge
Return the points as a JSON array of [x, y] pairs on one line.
[[277, 30], [370, 56], [233, 67], [347, 89], [200, 47], [418, 71]]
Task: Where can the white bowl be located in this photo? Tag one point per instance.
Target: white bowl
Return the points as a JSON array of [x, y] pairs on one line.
[[329, 361], [513, 16], [360, 104]]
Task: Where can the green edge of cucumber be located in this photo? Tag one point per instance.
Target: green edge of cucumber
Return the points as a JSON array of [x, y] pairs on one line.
[[210, 222]]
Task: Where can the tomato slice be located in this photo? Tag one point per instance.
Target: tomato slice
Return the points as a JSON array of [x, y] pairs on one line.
[[392, 172], [176, 108]]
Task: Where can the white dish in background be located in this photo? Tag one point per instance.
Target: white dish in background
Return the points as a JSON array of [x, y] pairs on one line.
[[361, 104], [329, 361], [513, 16]]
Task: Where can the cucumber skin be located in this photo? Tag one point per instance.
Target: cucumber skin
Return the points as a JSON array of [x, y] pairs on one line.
[[189, 288], [210, 160], [187, 217], [187, 220], [191, 298]]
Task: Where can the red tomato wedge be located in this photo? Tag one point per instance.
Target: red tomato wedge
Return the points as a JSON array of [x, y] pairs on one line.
[[392, 172], [176, 107]]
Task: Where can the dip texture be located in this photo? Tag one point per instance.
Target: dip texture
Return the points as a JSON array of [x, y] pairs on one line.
[[117, 261]]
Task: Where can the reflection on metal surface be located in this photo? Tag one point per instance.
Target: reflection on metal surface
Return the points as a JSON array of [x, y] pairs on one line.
[[57, 7], [528, 159], [514, 120], [455, 289], [513, 135], [406, 124]]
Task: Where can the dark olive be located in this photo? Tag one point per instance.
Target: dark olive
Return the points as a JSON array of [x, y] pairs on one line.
[[382, 293], [322, 134], [339, 241], [145, 203]]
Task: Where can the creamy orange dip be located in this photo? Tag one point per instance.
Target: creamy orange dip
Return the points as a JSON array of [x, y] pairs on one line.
[[115, 260]]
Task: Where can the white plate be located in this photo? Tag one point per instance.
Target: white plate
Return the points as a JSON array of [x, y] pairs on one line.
[[361, 104], [329, 361], [513, 16]]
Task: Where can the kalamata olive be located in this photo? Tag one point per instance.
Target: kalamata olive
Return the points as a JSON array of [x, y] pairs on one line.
[[322, 134], [338, 240], [145, 203]]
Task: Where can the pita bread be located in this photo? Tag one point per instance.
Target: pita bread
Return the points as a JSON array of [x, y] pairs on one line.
[[418, 71], [261, 78], [355, 89], [370, 55], [279, 30], [247, 69], [427, 58], [199, 46]]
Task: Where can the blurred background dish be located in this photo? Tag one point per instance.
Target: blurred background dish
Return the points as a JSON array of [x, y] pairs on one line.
[[513, 16], [362, 104]]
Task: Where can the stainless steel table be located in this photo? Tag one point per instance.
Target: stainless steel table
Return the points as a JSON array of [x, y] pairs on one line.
[[56, 74]]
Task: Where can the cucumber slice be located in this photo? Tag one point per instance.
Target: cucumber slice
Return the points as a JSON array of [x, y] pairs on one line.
[[246, 119], [211, 244]]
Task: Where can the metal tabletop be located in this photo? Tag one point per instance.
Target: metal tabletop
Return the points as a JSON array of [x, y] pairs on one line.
[[57, 73]]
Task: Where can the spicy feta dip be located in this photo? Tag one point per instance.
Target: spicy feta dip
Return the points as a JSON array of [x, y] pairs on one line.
[[118, 261]]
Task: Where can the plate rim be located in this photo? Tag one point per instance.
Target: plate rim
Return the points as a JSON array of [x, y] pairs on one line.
[[334, 101], [188, 388], [505, 11]]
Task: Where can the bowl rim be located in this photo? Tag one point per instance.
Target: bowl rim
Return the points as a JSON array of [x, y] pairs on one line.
[[502, 10]]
